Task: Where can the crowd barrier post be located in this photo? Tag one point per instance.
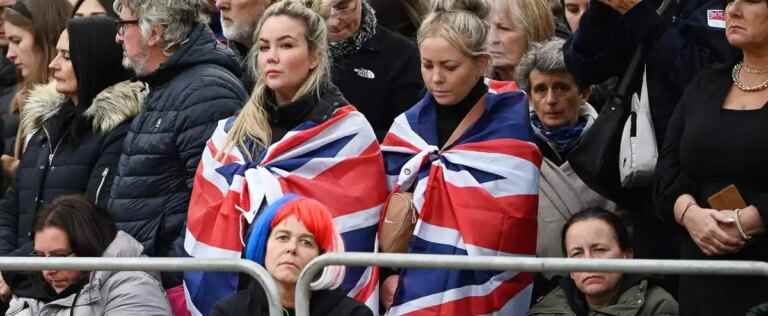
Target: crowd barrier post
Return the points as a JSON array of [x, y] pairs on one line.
[[519, 263], [150, 264]]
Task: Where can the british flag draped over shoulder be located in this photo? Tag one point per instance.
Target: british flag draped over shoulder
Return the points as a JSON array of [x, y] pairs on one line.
[[337, 162], [477, 197]]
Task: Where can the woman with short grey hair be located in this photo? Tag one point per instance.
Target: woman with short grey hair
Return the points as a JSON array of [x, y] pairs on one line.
[[560, 114]]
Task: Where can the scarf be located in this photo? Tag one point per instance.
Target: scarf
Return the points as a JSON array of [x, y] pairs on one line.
[[353, 44], [562, 138]]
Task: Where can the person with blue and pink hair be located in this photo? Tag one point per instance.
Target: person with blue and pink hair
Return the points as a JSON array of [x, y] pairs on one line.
[[284, 239]]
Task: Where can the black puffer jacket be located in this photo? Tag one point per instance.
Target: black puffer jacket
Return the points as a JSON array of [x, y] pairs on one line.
[[197, 86], [53, 165]]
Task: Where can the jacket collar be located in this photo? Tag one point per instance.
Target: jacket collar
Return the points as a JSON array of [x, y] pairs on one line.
[[108, 110]]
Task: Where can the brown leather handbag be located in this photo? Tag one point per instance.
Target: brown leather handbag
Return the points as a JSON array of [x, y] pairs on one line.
[[399, 220], [400, 215]]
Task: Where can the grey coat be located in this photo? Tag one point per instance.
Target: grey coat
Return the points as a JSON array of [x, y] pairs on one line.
[[111, 293]]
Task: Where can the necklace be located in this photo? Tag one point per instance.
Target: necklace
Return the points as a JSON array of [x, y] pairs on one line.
[[736, 76], [754, 70]]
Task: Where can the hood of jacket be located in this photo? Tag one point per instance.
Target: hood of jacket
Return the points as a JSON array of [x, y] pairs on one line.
[[199, 48], [123, 246], [109, 108]]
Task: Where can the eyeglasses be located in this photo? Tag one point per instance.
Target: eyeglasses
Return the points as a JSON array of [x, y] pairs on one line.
[[344, 8], [120, 24], [53, 254]]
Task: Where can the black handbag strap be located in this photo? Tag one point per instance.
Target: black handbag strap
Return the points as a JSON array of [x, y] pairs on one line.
[[621, 92]]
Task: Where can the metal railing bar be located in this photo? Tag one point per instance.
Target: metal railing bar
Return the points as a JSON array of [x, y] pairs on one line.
[[151, 264], [522, 264]]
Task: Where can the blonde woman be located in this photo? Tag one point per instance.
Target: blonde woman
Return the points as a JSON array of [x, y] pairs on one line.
[[297, 134], [515, 24], [465, 154]]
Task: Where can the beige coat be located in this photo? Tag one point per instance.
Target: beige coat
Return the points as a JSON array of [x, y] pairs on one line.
[[562, 194]]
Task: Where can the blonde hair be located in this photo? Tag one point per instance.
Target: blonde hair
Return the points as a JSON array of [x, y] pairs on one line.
[[460, 22], [533, 16], [252, 122]]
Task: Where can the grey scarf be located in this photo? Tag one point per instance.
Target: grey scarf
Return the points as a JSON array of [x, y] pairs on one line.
[[355, 42]]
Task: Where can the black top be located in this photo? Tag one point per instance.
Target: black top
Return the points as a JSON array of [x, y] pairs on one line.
[[382, 79], [253, 301], [285, 117], [450, 116], [707, 149]]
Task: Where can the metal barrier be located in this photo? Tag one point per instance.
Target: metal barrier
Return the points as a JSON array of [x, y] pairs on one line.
[[523, 264], [151, 264]]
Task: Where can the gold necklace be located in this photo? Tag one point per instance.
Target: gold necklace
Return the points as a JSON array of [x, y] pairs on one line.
[[754, 70], [736, 76]]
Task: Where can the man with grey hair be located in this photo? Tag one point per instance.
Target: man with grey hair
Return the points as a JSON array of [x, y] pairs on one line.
[[560, 115], [193, 84], [239, 19]]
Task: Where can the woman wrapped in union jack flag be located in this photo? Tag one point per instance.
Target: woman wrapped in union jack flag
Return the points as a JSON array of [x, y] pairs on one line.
[[465, 152], [297, 134]]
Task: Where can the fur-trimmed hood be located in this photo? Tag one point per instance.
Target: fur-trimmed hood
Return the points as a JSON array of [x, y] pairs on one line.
[[110, 108]]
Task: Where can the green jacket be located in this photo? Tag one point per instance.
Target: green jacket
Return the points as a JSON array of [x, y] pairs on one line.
[[638, 300]]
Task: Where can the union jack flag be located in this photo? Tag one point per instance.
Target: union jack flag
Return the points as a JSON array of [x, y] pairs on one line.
[[337, 162], [479, 197]]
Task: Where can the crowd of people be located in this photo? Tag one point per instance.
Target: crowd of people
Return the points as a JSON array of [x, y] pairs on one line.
[[279, 130]]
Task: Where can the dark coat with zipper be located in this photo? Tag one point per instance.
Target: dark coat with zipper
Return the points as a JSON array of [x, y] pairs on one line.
[[53, 165], [189, 93]]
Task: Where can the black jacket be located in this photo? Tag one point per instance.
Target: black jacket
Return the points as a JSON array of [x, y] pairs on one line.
[[382, 79], [253, 302], [10, 121], [54, 165], [189, 93], [677, 46]]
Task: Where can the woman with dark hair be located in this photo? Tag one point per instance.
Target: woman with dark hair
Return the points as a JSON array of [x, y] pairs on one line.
[[32, 28], [78, 123], [72, 226], [84, 8], [598, 233]]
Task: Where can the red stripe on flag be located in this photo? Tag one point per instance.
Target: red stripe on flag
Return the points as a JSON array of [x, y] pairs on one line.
[[210, 209], [298, 139], [352, 185], [480, 305], [507, 146], [468, 210], [503, 86], [370, 286], [395, 141]]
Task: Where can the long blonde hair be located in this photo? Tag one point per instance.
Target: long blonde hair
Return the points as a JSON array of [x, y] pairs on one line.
[[252, 122]]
